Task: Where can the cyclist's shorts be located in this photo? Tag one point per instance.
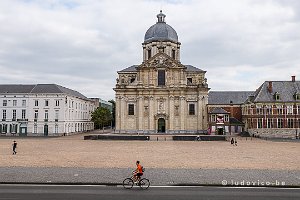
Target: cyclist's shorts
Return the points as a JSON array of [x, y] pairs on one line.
[[139, 174]]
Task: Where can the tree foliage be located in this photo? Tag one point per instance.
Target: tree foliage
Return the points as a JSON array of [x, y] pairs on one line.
[[113, 112], [101, 117]]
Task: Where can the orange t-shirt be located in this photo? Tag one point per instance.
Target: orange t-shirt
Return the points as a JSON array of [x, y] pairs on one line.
[[139, 167]]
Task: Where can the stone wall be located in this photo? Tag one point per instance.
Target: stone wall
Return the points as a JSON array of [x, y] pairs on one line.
[[275, 132]]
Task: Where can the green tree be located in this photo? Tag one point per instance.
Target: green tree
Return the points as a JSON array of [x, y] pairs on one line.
[[101, 117], [113, 112]]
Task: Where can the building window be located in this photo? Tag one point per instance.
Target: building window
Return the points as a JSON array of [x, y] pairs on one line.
[[34, 128], [226, 118], [269, 110], [279, 110], [14, 102], [46, 102], [4, 114], [46, 114], [189, 81], [173, 53], [36, 114], [191, 109], [269, 123], [23, 114], [57, 103], [161, 77], [23, 103], [130, 109], [298, 111], [297, 96], [213, 118], [4, 102], [289, 110], [279, 123], [14, 115], [277, 96], [36, 103], [56, 128], [290, 123], [259, 110], [56, 114], [149, 53], [259, 123]]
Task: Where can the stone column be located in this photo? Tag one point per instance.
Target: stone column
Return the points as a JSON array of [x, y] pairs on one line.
[[151, 113], [124, 111], [171, 113], [199, 113], [118, 112], [140, 119], [182, 113]]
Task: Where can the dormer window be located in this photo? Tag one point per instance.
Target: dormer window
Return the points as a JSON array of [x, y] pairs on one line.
[[277, 96], [297, 96]]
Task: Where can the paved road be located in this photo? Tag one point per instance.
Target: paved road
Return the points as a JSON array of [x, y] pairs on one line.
[[230, 177], [43, 192]]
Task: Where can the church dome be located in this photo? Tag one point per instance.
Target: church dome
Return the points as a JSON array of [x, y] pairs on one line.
[[161, 31]]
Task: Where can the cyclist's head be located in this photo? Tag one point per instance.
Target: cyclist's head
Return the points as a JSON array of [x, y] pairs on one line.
[[137, 162]]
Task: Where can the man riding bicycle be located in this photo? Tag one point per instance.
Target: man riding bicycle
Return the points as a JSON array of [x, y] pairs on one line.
[[138, 172]]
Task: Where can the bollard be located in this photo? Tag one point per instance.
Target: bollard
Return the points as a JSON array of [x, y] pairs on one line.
[[165, 139], [156, 138]]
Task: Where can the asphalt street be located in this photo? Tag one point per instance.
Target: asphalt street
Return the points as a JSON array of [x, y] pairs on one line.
[[226, 177], [43, 192]]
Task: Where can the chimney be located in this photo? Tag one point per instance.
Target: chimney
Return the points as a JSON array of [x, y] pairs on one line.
[[270, 87], [293, 78]]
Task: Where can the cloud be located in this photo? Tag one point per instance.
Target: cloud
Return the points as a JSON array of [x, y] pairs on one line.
[[82, 44]]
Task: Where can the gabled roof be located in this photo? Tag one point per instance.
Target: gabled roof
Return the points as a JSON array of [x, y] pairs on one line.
[[285, 89], [38, 89], [228, 97], [218, 110], [235, 121]]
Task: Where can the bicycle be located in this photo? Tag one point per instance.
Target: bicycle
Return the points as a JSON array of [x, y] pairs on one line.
[[129, 182]]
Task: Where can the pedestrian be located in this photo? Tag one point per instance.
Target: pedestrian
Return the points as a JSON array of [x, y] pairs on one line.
[[232, 141], [14, 147], [235, 142]]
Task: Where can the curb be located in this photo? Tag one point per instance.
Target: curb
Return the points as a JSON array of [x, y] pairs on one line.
[[168, 185]]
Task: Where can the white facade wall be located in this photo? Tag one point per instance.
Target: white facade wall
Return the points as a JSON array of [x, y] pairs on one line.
[[73, 114]]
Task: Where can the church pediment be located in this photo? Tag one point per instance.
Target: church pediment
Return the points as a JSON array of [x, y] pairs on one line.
[[161, 60]]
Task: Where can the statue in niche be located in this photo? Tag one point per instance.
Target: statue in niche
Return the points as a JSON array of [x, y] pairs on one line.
[[161, 105]]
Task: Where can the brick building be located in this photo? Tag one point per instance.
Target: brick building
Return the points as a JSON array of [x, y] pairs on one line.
[[274, 109], [224, 110]]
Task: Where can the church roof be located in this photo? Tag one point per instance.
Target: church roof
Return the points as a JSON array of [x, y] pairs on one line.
[[228, 97], [38, 89], [189, 68], [161, 31]]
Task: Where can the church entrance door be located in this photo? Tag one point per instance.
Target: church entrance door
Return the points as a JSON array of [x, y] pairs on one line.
[[161, 125]]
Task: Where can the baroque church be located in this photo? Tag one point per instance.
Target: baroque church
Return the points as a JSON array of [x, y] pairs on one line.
[[161, 95]]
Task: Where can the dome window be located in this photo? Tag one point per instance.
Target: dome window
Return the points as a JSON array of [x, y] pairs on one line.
[[149, 53], [173, 53]]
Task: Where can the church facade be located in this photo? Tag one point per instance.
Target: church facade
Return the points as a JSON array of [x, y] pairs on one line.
[[161, 95]]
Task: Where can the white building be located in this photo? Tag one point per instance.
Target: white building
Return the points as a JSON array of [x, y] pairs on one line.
[[43, 109]]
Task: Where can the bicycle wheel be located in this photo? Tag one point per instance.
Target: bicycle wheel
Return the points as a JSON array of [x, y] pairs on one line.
[[144, 183], [128, 183]]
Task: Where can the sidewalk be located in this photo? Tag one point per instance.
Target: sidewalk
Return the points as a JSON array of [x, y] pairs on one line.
[[112, 176]]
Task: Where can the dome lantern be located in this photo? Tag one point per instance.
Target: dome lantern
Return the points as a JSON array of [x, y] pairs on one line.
[[161, 17]]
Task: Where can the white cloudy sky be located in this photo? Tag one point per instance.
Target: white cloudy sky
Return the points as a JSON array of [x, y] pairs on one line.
[[81, 44]]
